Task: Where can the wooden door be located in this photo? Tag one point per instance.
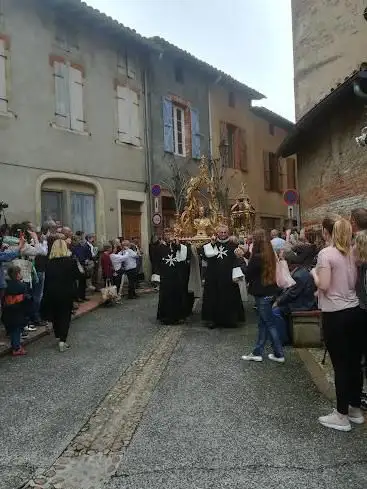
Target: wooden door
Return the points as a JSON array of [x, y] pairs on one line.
[[131, 226]]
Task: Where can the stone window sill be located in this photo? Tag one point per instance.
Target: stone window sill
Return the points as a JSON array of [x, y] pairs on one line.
[[129, 145], [71, 131]]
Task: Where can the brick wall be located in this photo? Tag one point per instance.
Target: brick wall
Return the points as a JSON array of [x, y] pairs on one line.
[[329, 38], [332, 169]]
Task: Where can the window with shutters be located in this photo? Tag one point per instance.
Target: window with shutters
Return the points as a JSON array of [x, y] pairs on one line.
[[69, 96], [235, 139], [291, 174], [178, 130], [231, 141], [181, 128], [128, 115], [3, 77], [272, 172]]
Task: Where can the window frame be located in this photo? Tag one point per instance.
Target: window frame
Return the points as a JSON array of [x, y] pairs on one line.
[[175, 108]]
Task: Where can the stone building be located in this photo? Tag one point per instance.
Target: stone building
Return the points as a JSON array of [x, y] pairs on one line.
[[329, 41], [332, 173], [72, 112], [252, 135]]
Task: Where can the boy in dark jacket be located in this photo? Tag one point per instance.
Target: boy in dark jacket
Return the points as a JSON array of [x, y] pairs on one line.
[[14, 311]]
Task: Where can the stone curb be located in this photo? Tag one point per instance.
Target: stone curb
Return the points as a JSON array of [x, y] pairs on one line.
[[317, 374]]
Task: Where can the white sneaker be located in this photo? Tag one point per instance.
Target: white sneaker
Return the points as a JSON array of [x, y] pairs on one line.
[[63, 346], [273, 358], [355, 415], [336, 421], [30, 327], [252, 358]]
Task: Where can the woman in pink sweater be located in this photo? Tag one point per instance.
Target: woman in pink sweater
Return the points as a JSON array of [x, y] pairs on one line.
[[335, 276]]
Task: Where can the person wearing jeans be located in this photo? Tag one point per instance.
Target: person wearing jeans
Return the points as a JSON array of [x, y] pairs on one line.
[[129, 259], [261, 276], [267, 328], [335, 276]]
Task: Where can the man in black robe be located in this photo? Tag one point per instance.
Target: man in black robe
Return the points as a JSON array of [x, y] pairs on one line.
[[222, 304], [172, 305]]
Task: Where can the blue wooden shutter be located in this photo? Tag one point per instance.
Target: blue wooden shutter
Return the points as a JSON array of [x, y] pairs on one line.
[[195, 133], [168, 125]]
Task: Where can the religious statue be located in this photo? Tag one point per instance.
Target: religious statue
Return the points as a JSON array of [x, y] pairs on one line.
[[201, 213], [243, 213], [202, 224]]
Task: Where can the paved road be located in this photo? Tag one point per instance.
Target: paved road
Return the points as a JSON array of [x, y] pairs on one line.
[[46, 397], [211, 422]]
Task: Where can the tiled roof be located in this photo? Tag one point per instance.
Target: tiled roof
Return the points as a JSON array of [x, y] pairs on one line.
[[291, 143], [273, 118], [155, 43], [211, 70]]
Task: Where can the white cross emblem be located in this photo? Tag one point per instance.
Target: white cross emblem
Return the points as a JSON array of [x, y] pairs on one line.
[[170, 261], [222, 252]]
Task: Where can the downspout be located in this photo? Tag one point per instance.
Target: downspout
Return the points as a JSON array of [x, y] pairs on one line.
[[210, 125], [148, 159]]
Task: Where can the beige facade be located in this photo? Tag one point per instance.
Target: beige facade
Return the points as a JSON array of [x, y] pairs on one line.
[[255, 134], [76, 166], [329, 43]]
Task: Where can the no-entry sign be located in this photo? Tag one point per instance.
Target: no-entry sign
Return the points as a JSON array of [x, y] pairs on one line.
[[291, 197]]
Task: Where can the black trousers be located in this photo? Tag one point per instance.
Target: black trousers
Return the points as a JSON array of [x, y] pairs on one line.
[[343, 336], [82, 286], [132, 276], [61, 323]]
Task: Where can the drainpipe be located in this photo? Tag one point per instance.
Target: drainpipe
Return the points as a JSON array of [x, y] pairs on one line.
[[210, 125], [148, 156]]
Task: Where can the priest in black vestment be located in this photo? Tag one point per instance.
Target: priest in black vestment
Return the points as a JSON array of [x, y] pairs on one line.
[[222, 304], [172, 305]]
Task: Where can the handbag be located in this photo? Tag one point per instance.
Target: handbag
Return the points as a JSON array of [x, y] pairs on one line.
[[283, 276], [109, 292]]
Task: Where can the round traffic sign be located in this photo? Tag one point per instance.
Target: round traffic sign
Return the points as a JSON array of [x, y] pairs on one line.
[[156, 190], [157, 219], [290, 197]]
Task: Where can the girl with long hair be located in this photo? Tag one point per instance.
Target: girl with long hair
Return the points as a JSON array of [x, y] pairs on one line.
[[335, 276], [261, 275], [60, 291]]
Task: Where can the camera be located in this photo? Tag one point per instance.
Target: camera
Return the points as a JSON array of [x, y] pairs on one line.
[[362, 139], [3, 205]]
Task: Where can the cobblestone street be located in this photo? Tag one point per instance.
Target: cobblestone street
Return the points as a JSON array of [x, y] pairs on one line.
[[135, 405]]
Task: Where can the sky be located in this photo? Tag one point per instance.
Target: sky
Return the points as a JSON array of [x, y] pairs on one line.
[[250, 40]]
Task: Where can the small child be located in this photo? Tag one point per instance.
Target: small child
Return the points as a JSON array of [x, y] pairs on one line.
[[14, 311]]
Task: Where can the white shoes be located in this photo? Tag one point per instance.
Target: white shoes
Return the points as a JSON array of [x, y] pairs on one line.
[[252, 358], [336, 421], [63, 346], [273, 358], [355, 415]]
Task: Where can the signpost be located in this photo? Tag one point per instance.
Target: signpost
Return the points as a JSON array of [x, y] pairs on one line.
[[291, 197], [157, 219], [156, 190]]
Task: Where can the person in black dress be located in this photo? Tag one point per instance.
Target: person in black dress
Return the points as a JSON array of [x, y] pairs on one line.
[[60, 291]]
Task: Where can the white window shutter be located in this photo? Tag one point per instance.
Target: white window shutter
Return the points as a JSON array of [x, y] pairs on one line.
[[76, 100], [123, 114], [135, 119], [61, 94], [3, 91]]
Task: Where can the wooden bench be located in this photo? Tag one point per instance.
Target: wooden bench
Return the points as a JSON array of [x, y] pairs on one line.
[[307, 329]]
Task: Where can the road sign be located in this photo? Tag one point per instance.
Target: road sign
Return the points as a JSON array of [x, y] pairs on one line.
[[156, 190], [156, 205], [157, 219], [291, 197]]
